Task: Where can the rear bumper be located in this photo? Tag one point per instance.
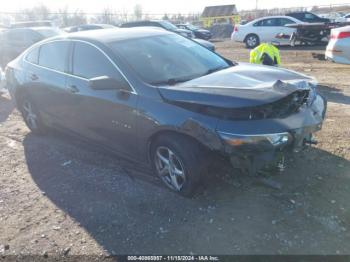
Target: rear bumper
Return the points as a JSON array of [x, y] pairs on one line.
[[255, 151], [338, 53], [237, 37]]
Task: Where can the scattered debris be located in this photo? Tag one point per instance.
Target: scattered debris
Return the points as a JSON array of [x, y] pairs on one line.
[[66, 251], [270, 183], [45, 254], [163, 231], [67, 163]]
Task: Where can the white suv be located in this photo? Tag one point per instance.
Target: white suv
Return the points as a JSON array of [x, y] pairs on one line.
[[265, 29]]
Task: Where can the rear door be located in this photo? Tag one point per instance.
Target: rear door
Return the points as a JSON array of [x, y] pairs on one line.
[[287, 31], [105, 116], [267, 29], [46, 77]]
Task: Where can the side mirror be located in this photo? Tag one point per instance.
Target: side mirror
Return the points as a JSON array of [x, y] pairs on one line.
[[107, 83]]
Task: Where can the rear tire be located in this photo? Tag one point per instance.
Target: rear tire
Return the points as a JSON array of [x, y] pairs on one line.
[[31, 116], [179, 163], [251, 41]]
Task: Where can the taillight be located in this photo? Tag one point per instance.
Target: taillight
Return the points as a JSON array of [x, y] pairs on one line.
[[235, 29], [340, 35]]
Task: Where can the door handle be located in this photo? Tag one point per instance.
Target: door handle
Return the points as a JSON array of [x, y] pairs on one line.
[[73, 89], [34, 77]]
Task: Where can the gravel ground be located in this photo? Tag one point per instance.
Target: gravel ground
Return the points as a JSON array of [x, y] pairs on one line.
[[59, 196]]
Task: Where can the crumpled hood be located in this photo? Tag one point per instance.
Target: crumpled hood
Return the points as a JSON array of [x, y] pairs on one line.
[[243, 85]]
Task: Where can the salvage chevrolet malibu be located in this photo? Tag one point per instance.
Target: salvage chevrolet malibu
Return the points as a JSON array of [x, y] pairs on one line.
[[163, 100]]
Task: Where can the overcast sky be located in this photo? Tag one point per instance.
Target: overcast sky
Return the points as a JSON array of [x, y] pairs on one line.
[[157, 6]]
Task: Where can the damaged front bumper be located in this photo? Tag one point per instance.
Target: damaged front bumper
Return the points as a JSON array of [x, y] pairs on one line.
[[252, 151]]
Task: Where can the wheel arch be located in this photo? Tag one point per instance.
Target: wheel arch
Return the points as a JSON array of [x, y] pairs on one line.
[[151, 140]]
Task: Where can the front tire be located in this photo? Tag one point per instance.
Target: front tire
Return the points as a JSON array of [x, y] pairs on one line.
[[251, 41], [31, 116], [178, 161]]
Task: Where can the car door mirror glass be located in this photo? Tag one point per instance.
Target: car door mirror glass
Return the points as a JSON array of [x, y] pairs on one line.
[[107, 83]]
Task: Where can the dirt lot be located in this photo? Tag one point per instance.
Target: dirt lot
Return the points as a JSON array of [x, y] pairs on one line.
[[58, 196]]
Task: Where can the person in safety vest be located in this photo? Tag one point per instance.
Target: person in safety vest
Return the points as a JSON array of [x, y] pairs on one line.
[[266, 54]]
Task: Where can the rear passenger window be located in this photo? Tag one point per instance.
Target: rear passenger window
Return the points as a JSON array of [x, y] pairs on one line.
[[53, 55], [89, 62], [33, 56], [285, 21], [269, 22]]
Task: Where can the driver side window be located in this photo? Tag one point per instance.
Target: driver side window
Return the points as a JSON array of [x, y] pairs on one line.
[[89, 62]]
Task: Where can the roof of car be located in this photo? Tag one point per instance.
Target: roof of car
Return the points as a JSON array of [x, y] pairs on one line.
[[275, 16], [113, 34], [299, 12], [32, 28]]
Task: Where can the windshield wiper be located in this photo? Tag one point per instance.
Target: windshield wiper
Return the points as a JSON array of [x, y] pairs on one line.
[[172, 81], [212, 70]]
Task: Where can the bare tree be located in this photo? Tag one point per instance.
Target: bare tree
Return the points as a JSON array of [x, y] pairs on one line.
[[165, 17], [138, 12], [78, 18], [39, 12], [63, 16], [107, 16]]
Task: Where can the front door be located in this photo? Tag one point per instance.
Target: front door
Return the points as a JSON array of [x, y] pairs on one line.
[[104, 116]]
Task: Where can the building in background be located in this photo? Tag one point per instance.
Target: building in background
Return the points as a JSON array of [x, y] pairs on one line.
[[220, 14]]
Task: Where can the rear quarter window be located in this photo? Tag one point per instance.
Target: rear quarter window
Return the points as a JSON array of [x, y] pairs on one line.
[[33, 56], [54, 55]]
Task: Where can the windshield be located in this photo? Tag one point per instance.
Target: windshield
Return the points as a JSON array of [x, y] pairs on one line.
[[168, 59], [168, 25]]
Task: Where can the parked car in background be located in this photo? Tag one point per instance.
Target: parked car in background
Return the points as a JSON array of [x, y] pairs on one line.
[[169, 27], [165, 101], [266, 29], [198, 32], [308, 17], [338, 49], [86, 27], [46, 23], [15, 41], [344, 18]]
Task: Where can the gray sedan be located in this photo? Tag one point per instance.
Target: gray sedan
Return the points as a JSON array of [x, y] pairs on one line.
[[164, 101]]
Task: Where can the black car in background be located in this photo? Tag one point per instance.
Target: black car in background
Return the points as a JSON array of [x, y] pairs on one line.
[[86, 27], [169, 27], [159, 23], [163, 100], [308, 17], [198, 32], [15, 41]]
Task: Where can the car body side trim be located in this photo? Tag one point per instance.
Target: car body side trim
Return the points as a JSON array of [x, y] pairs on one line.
[[68, 74]]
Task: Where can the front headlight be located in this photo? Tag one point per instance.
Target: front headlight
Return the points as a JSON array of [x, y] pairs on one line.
[[276, 139]]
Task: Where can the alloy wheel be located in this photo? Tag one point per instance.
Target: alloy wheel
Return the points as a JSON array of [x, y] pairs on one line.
[[252, 41], [30, 116], [169, 168]]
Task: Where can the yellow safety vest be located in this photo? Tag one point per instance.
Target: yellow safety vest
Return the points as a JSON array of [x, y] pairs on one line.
[[256, 54]]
